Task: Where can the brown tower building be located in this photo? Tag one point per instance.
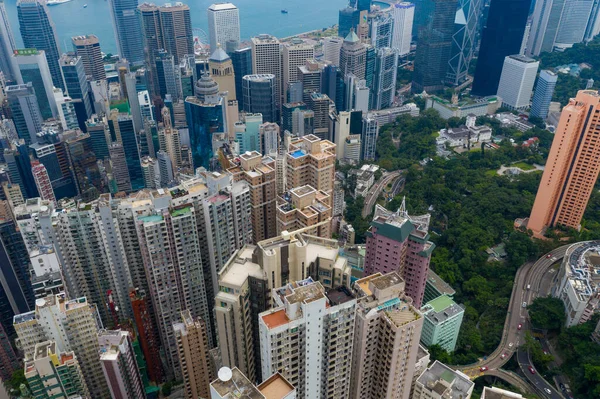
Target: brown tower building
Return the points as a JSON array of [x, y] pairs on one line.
[[311, 161], [259, 173], [192, 342], [88, 48], [572, 167]]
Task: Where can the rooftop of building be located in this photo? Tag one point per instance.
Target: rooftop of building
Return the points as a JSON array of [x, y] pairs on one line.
[[441, 309], [439, 284], [275, 318], [276, 387], [400, 315], [237, 387], [339, 295], [522, 58], [222, 6], [582, 261], [497, 393], [442, 380], [239, 267]]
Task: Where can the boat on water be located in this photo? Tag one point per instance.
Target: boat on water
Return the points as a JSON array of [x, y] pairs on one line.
[[284, 11], [85, 6], [57, 2]]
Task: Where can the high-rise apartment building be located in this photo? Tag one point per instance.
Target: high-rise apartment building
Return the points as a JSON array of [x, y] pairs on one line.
[[223, 24], [76, 84], [147, 335], [302, 207], [9, 362], [238, 385], [386, 338], [317, 325], [573, 166], [25, 111], [73, 326], [434, 47], [43, 183], [227, 215], [501, 37], [54, 373], [32, 66], [269, 138], [245, 285], [543, 94], [295, 53], [440, 380], [88, 48], [516, 81], [167, 78], [128, 30], [118, 167], [259, 173], [397, 242], [442, 321], [403, 14], [311, 161], [266, 59], [38, 32], [119, 364], [169, 240], [7, 44], [192, 342]]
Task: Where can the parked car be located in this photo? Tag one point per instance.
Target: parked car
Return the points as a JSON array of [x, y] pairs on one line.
[[524, 304]]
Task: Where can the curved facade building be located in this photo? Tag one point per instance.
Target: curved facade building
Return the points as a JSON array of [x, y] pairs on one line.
[[260, 93]]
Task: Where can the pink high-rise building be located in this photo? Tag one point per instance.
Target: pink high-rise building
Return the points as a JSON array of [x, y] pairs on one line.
[[397, 242], [42, 182]]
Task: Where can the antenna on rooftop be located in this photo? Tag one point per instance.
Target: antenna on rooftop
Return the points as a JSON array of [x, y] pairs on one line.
[[402, 210]]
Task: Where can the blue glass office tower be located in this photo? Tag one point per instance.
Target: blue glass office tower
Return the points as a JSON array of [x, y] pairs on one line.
[[204, 114], [128, 30], [543, 94], [348, 19], [121, 126], [502, 36], [14, 267], [25, 111], [37, 31], [242, 66], [259, 93], [19, 167]]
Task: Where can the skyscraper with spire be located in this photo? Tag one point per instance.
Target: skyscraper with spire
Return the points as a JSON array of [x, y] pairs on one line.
[[38, 31]]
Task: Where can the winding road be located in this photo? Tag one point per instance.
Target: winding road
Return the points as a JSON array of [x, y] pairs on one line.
[[374, 192], [532, 280]]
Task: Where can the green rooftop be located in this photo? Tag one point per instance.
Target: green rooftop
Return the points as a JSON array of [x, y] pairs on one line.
[[440, 303], [121, 106], [447, 376], [180, 211], [394, 231]]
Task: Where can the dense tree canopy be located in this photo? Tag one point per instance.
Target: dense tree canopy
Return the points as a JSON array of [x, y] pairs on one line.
[[547, 313], [581, 358]]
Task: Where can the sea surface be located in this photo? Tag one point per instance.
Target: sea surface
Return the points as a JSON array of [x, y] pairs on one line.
[[256, 17]]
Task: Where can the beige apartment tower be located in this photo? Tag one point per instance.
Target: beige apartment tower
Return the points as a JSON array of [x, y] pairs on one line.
[[386, 339], [572, 167], [259, 173], [311, 161], [192, 342]]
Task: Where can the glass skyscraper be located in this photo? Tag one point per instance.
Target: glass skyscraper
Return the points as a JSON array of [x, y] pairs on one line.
[[259, 93], [37, 31], [242, 66], [463, 41], [348, 19], [543, 94], [502, 36], [73, 72], [434, 47], [128, 30], [121, 126]]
